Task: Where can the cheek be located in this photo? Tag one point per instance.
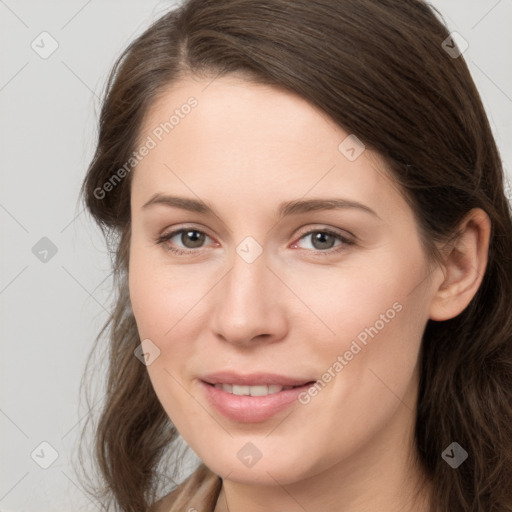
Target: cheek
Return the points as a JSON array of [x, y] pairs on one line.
[[162, 305], [368, 371], [361, 299], [169, 306], [160, 295], [373, 317]]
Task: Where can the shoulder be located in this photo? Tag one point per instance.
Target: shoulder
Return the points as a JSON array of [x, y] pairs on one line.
[[199, 491]]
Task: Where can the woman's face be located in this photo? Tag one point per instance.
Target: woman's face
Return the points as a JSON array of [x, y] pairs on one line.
[[299, 262]]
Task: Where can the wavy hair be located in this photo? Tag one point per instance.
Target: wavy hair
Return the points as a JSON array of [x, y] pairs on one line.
[[380, 70]]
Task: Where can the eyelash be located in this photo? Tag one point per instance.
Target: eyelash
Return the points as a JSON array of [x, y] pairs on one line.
[[161, 240]]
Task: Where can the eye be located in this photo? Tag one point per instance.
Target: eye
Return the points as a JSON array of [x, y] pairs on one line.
[[190, 238], [323, 240]]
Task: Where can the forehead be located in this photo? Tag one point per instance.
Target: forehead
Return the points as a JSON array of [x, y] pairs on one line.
[[232, 108], [257, 139]]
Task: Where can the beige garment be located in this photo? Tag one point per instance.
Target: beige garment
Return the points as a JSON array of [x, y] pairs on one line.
[[198, 493]]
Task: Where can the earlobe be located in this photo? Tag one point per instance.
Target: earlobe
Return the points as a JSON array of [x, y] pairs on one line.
[[464, 267]]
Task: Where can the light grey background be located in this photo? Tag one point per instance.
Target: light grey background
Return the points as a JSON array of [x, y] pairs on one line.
[[51, 311]]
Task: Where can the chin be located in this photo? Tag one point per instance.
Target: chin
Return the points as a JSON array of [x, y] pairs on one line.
[[271, 471]]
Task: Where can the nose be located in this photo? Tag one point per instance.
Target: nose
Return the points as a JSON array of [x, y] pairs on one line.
[[249, 305]]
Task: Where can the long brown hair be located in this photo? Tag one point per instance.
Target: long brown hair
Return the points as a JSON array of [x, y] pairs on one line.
[[381, 70]]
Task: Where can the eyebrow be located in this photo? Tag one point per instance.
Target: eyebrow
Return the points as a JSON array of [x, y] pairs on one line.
[[285, 209]]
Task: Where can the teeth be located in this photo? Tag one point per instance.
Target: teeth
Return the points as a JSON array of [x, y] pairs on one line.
[[261, 390], [241, 390]]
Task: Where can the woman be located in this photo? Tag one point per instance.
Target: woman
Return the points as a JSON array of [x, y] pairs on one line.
[[312, 258]]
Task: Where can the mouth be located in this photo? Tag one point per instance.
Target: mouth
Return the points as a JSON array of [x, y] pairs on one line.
[[252, 398]]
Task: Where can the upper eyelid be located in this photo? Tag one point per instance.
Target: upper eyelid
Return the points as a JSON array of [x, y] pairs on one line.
[[175, 231], [337, 231]]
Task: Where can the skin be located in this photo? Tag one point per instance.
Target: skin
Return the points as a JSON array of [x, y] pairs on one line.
[[245, 149]]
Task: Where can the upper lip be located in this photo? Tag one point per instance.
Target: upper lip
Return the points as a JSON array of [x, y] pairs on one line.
[[253, 379]]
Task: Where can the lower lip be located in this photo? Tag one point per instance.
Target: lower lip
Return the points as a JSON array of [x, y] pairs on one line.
[[251, 409]]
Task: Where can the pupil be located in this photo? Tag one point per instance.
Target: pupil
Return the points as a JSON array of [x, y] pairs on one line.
[[196, 237], [321, 238]]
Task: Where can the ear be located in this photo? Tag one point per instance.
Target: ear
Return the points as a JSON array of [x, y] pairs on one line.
[[464, 266]]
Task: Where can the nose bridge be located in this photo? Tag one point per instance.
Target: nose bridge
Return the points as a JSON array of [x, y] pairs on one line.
[[246, 305], [247, 283]]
